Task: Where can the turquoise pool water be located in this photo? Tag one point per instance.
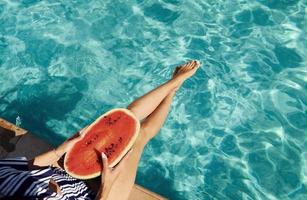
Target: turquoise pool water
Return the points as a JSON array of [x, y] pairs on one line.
[[237, 130]]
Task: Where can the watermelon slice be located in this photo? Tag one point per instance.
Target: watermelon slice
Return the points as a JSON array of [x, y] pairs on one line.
[[112, 133]]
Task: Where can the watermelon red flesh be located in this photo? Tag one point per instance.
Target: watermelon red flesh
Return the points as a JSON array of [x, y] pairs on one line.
[[113, 134]]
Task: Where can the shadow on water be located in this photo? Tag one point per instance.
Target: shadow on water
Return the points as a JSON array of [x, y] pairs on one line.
[[38, 103], [279, 4], [162, 14]]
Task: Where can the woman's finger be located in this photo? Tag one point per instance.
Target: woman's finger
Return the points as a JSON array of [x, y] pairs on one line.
[[105, 168], [78, 134], [76, 137], [70, 143], [82, 131]]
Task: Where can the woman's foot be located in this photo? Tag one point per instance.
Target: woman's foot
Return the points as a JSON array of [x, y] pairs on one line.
[[185, 71]]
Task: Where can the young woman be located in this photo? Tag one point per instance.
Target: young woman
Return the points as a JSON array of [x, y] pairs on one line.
[[43, 177]]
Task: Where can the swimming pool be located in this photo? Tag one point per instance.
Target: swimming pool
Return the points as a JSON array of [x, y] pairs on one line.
[[237, 130]]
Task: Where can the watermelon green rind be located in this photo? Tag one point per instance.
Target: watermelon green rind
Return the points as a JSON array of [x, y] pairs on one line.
[[121, 155]]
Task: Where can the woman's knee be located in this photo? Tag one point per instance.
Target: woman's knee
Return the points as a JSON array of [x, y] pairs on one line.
[[135, 112]]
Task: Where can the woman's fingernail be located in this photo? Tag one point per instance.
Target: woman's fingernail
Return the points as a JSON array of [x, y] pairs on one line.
[[104, 156]]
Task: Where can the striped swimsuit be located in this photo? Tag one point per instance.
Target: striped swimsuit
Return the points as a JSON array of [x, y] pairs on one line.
[[18, 182]]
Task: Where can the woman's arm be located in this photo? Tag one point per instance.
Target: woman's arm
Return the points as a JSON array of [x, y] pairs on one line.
[[46, 158], [52, 156], [105, 186], [109, 176]]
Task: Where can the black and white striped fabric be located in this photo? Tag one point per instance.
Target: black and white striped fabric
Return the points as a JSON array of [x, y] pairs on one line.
[[17, 181]]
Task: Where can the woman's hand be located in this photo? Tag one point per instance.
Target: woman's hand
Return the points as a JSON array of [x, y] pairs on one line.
[[69, 143], [109, 175]]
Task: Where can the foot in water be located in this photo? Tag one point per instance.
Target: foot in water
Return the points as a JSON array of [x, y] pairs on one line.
[[185, 71]]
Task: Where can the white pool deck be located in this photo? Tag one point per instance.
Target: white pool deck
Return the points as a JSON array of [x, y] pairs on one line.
[[15, 142]]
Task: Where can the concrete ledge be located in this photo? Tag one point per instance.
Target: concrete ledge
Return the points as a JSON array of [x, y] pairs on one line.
[[9, 137], [15, 142], [140, 193], [29, 146], [11, 127]]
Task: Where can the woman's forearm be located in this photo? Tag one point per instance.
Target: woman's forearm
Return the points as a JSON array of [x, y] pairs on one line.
[[52, 156], [48, 157]]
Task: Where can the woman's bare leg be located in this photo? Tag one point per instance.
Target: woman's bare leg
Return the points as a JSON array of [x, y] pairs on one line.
[[143, 106], [149, 128], [122, 187]]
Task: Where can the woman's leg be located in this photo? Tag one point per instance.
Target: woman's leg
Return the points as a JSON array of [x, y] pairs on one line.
[[149, 128], [124, 183], [143, 106]]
